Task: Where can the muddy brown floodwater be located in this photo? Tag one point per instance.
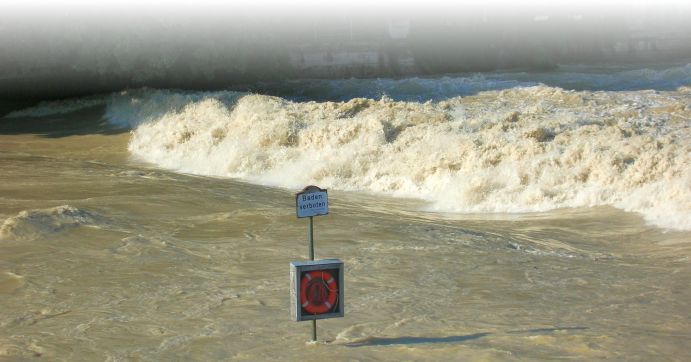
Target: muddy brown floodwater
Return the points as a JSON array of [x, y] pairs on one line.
[[103, 257]]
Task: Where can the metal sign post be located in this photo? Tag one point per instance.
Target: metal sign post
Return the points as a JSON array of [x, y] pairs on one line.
[[316, 286], [310, 236]]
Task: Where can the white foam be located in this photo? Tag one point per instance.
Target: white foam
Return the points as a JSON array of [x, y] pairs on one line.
[[518, 150]]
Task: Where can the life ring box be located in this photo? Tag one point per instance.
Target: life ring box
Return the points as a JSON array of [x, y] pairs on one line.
[[316, 289]]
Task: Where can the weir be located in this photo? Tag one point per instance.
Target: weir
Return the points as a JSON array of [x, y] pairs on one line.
[[226, 48]]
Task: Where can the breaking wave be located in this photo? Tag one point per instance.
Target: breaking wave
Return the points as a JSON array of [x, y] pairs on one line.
[[499, 142], [523, 149]]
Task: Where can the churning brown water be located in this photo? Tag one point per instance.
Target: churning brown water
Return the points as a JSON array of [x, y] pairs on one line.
[[108, 253]]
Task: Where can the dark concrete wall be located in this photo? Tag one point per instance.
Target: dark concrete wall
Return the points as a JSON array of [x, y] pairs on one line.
[[61, 54]]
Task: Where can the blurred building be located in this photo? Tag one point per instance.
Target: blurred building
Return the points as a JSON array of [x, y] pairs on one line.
[[67, 54]]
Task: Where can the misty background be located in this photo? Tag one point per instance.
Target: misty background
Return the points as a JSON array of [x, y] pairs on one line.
[[72, 48]]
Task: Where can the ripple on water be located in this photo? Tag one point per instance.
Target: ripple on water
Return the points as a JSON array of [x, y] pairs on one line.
[[34, 224]]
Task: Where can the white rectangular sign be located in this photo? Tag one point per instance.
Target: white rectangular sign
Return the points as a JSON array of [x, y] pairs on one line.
[[312, 201]]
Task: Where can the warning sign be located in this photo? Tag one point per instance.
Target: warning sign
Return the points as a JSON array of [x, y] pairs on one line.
[[312, 201], [316, 289]]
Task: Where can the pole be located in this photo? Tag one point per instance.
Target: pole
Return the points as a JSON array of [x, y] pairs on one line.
[[314, 330], [310, 237]]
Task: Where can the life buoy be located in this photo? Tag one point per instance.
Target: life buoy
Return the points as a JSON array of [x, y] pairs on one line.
[[318, 292]]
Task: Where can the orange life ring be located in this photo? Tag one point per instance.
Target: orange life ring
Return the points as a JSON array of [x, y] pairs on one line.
[[318, 292]]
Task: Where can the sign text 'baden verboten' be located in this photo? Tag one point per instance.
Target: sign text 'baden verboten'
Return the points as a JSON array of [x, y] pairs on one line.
[[312, 201]]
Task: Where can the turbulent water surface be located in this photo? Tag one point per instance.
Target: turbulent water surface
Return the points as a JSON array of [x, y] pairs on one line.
[[486, 217]]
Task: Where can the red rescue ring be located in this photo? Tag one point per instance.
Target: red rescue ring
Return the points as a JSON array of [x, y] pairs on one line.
[[318, 292]]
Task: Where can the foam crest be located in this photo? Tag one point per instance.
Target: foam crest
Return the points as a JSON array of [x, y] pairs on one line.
[[517, 150], [130, 108], [420, 89], [34, 224], [589, 78]]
